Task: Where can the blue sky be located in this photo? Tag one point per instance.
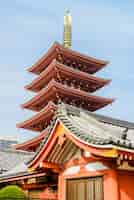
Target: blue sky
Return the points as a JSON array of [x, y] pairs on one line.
[[102, 29]]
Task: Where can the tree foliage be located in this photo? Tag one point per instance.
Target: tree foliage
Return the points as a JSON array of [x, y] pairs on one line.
[[12, 192]]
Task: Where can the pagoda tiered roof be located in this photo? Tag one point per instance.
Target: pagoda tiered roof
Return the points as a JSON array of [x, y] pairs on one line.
[[41, 120], [32, 144], [55, 91], [65, 74], [66, 55]]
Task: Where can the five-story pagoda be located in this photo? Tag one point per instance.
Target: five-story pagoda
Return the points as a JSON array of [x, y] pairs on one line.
[[64, 76]]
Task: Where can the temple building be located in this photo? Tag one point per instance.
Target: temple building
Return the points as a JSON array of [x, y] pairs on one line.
[[77, 154]]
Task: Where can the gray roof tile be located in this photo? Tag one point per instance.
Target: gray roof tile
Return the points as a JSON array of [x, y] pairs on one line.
[[96, 129], [10, 158]]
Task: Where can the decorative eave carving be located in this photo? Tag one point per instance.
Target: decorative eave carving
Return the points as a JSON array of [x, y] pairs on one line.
[[125, 165], [62, 73], [67, 94], [57, 49]]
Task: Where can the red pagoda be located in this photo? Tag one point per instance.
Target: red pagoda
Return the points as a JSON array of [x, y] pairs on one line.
[[63, 76], [83, 155]]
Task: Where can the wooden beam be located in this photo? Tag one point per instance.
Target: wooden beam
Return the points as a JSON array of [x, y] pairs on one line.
[[36, 185], [48, 165]]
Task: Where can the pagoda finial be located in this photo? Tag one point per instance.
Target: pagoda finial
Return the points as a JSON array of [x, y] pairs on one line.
[[67, 29]]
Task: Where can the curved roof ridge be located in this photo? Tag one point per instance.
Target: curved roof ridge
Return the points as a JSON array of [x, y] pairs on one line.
[[97, 140]]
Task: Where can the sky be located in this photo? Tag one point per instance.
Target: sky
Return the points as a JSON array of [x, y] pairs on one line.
[[101, 29]]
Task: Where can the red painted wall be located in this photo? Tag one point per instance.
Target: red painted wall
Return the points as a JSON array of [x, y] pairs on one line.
[[111, 188], [126, 185]]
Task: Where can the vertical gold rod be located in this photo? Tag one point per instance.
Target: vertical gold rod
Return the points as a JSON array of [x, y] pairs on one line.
[[67, 30]]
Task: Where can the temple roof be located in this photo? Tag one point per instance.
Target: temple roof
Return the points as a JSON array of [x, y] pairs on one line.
[[21, 175], [58, 49], [55, 90], [13, 165], [65, 72], [92, 130], [9, 158]]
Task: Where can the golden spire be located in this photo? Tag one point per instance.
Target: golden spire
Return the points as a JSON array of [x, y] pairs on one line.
[[67, 29]]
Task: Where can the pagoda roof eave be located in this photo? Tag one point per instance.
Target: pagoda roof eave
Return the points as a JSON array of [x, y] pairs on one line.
[[55, 66], [32, 142], [54, 88], [55, 49], [46, 112], [21, 176]]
